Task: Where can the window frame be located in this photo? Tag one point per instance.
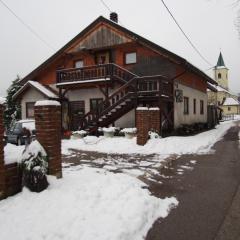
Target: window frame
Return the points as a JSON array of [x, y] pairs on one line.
[[27, 108], [125, 57], [186, 105], [219, 75], [194, 106], [78, 60], [201, 107]]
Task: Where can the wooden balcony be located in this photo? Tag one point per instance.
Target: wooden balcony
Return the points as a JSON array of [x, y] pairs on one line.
[[93, 73]]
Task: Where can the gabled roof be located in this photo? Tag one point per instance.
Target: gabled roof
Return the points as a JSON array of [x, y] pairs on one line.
[[230, 102], [220, 62], [134, 36], [39, 87]]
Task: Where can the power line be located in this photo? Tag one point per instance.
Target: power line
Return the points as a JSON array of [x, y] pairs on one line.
[[109, 9], [26, 25], [188, 39]]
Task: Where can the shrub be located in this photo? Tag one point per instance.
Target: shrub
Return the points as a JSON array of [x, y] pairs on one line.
[[34, 166]]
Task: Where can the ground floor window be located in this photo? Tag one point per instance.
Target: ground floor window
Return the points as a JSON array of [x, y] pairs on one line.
[[201, 107], [229, 109], [30, 109], [186, 105]]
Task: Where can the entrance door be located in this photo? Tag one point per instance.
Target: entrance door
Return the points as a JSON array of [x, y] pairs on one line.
[[94, 105], [77, 111], [103, 57]]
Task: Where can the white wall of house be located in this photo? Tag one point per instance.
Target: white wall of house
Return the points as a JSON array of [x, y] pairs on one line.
[[31, 95], [190, 118], [84, 95], [128, 120]]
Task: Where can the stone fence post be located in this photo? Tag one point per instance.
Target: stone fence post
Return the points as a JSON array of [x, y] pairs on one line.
[[2, 166], [48, 133]]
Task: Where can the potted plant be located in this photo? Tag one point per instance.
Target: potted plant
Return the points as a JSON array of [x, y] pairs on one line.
[[129, 132], [79, 134], [108, 131]]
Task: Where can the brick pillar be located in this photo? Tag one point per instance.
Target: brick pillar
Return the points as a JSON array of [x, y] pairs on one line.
[[142, 124], [2, 167], [155, 121], [48, 133]]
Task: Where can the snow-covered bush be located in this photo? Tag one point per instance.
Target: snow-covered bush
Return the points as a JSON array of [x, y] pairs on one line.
[[79, 134], [129, 132], [34, 166]]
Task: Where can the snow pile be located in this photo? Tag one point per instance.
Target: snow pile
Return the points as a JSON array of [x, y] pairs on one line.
[[12, 153], [33, 150], [200, 143], [107, 129], [86, 204], [80, 132], [129, 130]]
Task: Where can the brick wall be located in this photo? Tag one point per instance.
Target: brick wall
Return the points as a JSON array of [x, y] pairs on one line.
[[10, 176], [48, 133], [146, 120]]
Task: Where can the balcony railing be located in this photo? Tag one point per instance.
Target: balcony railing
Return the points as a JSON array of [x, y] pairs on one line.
[[96, 72]]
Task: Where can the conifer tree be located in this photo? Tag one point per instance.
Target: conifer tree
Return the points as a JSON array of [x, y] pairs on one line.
[[13, 110]]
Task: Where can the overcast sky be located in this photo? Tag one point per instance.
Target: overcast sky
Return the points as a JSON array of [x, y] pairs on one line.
[[209, 24]]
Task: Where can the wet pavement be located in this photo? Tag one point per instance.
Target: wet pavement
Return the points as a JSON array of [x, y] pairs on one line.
[[206, 187]]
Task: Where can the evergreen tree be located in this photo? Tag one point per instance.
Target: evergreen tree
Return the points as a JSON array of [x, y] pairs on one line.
[[13, 110]]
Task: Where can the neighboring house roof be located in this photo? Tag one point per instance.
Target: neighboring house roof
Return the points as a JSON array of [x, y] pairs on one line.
[[134, 36], [230, 102], [2, 100], [39, 87], [220, 62]]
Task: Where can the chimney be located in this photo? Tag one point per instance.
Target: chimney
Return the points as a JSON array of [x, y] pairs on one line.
[[114, 17]]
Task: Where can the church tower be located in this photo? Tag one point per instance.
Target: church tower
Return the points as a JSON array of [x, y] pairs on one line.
[[220, 72]]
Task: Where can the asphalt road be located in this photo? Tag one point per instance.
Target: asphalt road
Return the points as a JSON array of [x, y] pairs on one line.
[[208, 194]]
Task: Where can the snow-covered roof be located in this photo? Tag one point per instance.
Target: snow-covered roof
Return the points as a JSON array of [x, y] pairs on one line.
[[38, 86], [47, 103], [2, 100], [230, 101]]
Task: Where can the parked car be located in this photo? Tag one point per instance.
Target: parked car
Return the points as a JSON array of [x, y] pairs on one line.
[[21, 131]]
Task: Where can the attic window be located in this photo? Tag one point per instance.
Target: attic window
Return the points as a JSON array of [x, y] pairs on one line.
[[130, 58], [219, 76]]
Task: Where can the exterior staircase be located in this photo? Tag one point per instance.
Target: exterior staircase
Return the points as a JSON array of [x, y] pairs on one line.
[[134, 90]]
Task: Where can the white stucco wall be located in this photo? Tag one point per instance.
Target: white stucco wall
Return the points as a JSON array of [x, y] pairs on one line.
[[180, 117], [84, 95], [128, 120], [31, 95]]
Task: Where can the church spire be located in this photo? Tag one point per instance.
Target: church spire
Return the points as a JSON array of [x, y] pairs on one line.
[[220, 62]]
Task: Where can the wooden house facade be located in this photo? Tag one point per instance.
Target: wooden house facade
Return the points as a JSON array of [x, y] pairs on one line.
[[106, 71]]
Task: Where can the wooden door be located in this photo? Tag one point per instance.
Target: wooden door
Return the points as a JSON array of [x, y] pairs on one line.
[[103, 57], [77, 111]]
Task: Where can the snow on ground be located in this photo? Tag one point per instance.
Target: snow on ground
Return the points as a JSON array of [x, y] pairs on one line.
[[12, 153], [86, 204], [198, 144]]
